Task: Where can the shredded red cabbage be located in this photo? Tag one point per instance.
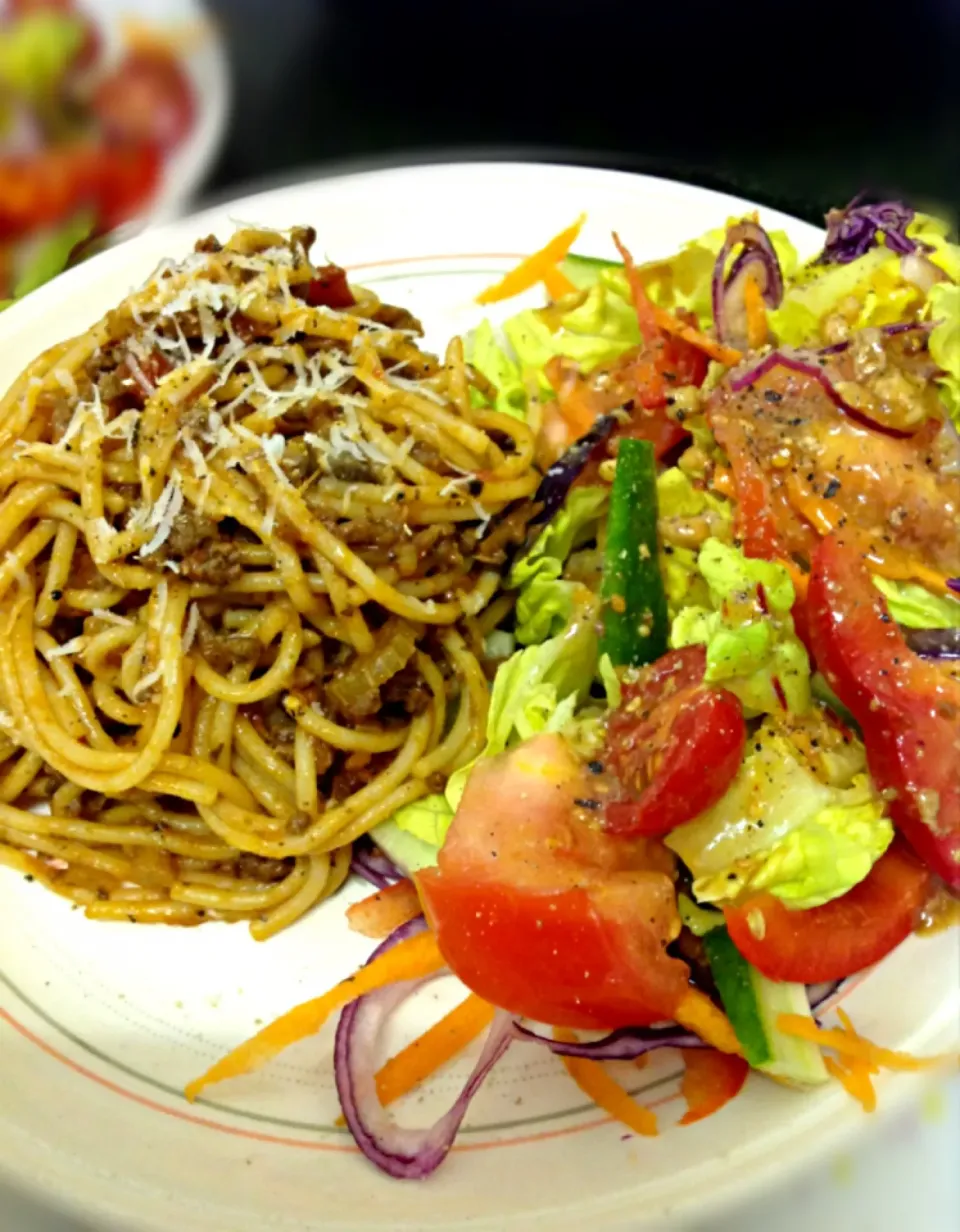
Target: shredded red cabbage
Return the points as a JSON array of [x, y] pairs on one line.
[[559, 479], [812, 368], [853, 231], [954, 584], [372, 865]]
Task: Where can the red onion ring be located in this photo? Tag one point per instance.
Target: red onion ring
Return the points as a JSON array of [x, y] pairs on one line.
[[626, 1044], [758, 257], [781, 359], [404, 1153]]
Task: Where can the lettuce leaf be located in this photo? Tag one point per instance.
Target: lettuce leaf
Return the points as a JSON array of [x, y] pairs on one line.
[[597, 330], [427, 819], [944, 306], [491, 359], [871, 289], [756, 654], [547, 603], [50, 257], [36, 51], [677, 497], [780, 829], [537, 690], [873, 280], [917, 607]]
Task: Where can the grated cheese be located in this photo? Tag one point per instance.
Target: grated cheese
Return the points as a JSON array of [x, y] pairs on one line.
[[73, 647], [162, 515], [113, 618], [190, 632]]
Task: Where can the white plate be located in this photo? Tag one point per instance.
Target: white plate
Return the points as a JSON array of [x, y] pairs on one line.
[[100, 1025], [206, 65]]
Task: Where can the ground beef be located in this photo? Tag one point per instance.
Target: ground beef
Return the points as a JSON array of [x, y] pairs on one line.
[[298, 462], [190, 529], [406, 691], [349, 469], [216, 563], [259, 868], [226, 650]]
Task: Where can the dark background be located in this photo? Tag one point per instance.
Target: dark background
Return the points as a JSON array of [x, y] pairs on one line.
[[798, 105]]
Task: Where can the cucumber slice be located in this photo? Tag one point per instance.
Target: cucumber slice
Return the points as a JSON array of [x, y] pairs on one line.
[[584, 272], [409, 853], [753, 1004]]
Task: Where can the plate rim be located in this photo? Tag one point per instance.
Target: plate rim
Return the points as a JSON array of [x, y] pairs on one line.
[[730, 1194]]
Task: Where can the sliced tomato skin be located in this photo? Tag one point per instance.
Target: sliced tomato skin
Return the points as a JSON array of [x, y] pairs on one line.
[[675, 745], [841, 937], [907, 708], [330, 288], [114, 181], [549, 956], [146, 100], [539, 911]]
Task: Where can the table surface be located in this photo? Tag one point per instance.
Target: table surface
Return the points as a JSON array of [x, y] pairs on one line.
[[902, 1175], [791, 105]]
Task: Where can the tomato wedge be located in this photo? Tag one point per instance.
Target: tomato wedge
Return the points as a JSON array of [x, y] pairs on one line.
[[675, 744], [908, 708], [541, 913], [146, 100], [43, 189], [330, 288], [841, 937]]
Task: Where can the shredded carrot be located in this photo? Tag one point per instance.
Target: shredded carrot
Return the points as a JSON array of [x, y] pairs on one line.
[[642, 303], [438, 1045], [428, 1052], [383, 912], [856, 1079], [594, 1081], [535, 268], [801, 580], [710, 1080], [409, 960], [557, 283], [698, 1014], [845, 1041], [722, 481], [716, 350], [756, 313]]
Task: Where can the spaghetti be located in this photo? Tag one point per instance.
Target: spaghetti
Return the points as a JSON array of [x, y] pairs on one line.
[[241, 586]]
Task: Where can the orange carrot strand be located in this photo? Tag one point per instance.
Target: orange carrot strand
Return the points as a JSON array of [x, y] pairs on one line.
[[710, 1080], [412, 959], [438, 1045], [756, 313], [535, 268], [592, 1078], [557, 283]]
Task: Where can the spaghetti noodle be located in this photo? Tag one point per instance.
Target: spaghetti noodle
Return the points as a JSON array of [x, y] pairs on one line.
[[240, 586]]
